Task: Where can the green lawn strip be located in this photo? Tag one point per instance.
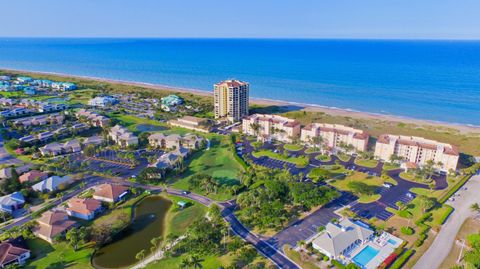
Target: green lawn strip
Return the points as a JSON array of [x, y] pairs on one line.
[[59, 255], [344, 157], [295, 256], [366, 163], [298, 161], [342, 184], [389, 166], [323, 158], [293, 147], [312, 150]]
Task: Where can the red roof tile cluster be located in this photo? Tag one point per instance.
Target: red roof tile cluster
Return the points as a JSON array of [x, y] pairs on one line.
[[85, 206], [11, 250], [110, 191]]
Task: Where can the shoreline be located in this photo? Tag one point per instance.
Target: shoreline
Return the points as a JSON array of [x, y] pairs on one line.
[[287, 105]]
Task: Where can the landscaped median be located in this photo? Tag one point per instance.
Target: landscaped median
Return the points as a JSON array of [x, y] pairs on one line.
[[361, 185], [366, 163], [293, 147], [300, 161]]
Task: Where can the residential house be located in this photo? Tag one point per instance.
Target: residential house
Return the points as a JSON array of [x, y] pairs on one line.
[[29, 91], [417, 150], [102, 101], [174, 141], [13, 251], [171, 160], [84, 208], [33, 175], [11, 202], [64, 86], [46, 107], [335, 136], [110, 193], [52, 183], [122, 136], [267, 127], [51, 224], [339, 238], [55, 148], [24, 79], [192, 123], [93, 118], [93, 140]]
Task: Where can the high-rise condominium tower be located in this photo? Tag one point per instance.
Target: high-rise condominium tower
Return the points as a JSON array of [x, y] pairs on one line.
[[231, 99]]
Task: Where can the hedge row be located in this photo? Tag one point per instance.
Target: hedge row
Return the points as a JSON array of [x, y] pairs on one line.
[[424, 229], [446, 214], [455, 188], [235, 155], [402, 259]]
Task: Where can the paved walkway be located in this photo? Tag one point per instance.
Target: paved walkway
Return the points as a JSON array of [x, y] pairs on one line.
[[445, 239], [158, 255]]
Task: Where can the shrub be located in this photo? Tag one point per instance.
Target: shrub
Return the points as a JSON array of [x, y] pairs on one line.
[[402, 259], [407, 230]]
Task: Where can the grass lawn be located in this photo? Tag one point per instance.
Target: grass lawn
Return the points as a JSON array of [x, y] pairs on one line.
[[312, 150], [342, 184], [323, 158], [298, 161], [57, 256], [344, 157], [178, 220], [409, 176], [81, 96], [111, 217], [366, 163], [389, 166], [295, 256], [293, 147], [131, 121], [218, 162]]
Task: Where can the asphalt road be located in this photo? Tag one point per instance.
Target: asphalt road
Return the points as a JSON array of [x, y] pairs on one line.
[[445, 239], [5, 157]]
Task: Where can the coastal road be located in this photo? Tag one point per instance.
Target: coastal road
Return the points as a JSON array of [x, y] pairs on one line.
[[445, 239], [262, 246]]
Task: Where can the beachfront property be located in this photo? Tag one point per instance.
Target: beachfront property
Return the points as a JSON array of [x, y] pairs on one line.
[[94, 119], [11, 202], [417, 150], [354, 241], [192, 123], [64, 86], [110, 193], [55, 148], [52, 183], [334, 136], [175, 141], [51, 224], [122, 136], [231, 99], [83, 208], [170, 103], [13, 251], [103, 101], [268, 127]]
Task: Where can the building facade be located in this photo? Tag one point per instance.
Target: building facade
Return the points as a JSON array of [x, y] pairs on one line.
[[334, 136], [417, 150], [231, 100], [271, 127]]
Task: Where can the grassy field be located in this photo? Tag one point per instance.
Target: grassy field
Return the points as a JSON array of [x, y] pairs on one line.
[[57, 256], [217, 162], [295, 256], [177, 221], [323, 158], [342, 184], [298, 161], [366, 163], [293, 147]]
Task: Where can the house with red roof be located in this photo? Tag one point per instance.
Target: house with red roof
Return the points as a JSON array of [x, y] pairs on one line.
[[110, 193], [84, 208], [13, 251]]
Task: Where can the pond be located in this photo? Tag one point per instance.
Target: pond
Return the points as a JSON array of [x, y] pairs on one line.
[[56, 100], [148, 223], [150, 128]]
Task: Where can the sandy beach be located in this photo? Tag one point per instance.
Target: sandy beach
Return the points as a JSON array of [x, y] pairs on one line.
[[284, 104]]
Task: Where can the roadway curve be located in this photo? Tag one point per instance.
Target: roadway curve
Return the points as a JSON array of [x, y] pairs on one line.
[[445, 239]]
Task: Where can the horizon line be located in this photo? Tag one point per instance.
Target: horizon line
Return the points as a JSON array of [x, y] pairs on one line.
[[244, 38]]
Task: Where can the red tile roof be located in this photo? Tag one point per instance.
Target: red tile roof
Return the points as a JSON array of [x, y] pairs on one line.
[[110, 191], [85, 206], [11, 250]]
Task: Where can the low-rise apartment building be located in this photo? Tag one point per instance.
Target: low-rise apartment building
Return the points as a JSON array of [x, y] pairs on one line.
[[93, 118], [417, 150], [122, 136], [192, 123], [267, 127], [334, 136]]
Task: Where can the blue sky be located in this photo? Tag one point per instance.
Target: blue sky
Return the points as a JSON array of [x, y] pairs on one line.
[[411, 19]]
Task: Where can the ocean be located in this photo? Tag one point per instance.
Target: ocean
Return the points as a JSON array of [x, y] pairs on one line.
[[432, 80]]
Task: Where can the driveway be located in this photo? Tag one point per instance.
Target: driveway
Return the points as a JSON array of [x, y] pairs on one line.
[[445, 239]]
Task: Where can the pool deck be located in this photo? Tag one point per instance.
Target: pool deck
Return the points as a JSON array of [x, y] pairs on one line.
[[381, 244]]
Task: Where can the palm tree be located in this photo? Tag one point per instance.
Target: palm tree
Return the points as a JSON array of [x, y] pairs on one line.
[[475, 207], [196, 261], [317, 141], [185, 263], [155, 244], [255, 127], [140, 255]]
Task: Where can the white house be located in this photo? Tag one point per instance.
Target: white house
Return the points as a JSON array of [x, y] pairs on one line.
[[10, 203], [51, 183], [102, 101]]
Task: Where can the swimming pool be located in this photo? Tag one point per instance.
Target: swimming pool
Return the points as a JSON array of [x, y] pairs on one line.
[[365, 256], [392, 242]]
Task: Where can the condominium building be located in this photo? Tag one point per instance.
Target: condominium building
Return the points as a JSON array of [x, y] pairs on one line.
[[334, 136], [417, 150], [231, 99], [268, 127]]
